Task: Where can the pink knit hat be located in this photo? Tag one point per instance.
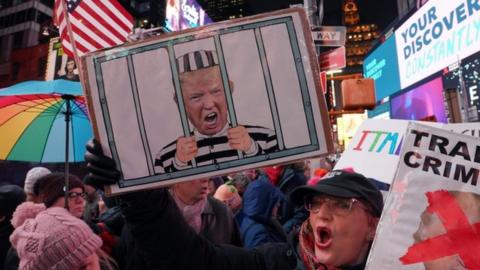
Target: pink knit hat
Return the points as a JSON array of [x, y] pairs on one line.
[[51, 238]]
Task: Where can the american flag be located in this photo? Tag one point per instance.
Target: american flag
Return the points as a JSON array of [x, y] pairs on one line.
[[95, 24]]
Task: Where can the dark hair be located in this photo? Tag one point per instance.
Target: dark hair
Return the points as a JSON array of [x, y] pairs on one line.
[[66, 65], [52, 186]]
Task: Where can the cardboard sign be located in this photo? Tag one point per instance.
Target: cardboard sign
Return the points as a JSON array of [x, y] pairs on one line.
[[431, 216], [209, 101], [377, 144]]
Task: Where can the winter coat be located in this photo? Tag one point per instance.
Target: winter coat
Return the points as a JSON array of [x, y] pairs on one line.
[[166, 241], [258, 226], [6, 230], [290, 178], [12, 261], [218, 227]]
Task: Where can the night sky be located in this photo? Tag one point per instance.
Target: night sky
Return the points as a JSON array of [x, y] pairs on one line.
[[381, 12]]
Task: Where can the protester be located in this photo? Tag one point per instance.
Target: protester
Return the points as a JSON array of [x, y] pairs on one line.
[[344, 209], [30, 179], [259, 225], [10, 197], [287, 178], [52, 192], [206, 215], [214, 183], [49, 190], [228, 194], [51, 238], [241, 181]]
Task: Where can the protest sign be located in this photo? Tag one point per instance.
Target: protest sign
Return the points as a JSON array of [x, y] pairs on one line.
[[374, 149], [209, 101], [377, 144], [431, 216]]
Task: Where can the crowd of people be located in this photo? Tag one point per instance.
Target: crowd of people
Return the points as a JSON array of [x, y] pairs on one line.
[[268, 218]]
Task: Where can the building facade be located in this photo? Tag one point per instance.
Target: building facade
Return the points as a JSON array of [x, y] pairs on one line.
[[21, 24]]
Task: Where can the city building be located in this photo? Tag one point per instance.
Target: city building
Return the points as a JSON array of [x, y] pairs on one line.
[[360, 37], [220, 10], [21, 25], [148, 13]]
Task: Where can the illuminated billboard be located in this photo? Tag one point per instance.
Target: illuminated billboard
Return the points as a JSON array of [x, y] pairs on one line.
[[184, 14], [59, 65], [424, 102], [469, 70], [382, 66], [439, 34]]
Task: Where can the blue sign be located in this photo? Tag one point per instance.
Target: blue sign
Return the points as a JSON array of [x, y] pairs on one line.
[[382, 66]]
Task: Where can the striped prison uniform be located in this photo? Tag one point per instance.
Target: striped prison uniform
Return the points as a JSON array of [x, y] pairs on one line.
[[215, 149]]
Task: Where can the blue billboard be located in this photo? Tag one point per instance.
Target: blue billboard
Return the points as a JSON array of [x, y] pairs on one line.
[[382, 66]]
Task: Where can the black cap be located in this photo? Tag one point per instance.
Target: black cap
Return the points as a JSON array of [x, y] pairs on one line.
[[10, 197], [345, 185]]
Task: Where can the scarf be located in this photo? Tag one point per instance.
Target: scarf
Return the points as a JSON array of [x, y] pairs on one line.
[[191, 213], [274, 174], [307, 249]]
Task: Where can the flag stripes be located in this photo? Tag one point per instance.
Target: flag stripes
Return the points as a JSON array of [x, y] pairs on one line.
[[95, 24]]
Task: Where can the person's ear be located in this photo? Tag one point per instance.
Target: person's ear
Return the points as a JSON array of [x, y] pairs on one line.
[[372, 228]]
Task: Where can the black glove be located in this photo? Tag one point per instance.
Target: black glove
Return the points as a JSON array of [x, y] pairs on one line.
[[101, 169]]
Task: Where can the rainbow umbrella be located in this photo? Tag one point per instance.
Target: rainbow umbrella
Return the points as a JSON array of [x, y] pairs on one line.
[[39, 118]]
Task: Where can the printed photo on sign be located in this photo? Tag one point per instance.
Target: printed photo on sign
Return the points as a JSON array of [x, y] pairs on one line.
[[206, 102]]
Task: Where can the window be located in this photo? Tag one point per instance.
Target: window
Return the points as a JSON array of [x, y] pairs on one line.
[[15, 70], [42, 64], [18, 40]]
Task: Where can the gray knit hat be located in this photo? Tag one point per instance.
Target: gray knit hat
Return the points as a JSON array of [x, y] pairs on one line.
[[196, 60], [32, 177]]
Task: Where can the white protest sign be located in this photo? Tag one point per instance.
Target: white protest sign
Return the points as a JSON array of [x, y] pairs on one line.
[[375, 148], [431, 218]]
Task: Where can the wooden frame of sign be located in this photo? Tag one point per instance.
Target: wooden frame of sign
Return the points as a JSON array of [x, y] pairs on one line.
[[267, 92]]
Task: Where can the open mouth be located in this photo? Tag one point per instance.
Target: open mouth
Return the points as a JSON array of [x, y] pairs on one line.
[[211, 118], [324, 237]]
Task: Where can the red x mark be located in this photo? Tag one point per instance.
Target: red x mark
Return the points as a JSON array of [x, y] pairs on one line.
[[461, 238]]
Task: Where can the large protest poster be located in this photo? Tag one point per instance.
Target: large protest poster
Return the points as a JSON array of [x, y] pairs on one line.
[[431, 219], [209, 101], [375, 148]]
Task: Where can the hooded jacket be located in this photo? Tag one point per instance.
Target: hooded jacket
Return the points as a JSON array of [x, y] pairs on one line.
[[258, 225]]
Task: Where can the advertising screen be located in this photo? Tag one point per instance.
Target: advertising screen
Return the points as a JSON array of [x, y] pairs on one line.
[[436, 36], [469, 71], [424, 102], [59, 65], [382, 66], [184, 14]]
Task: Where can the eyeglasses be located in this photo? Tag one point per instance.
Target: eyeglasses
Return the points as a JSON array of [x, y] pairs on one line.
[[337, 206], [73, 195]]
